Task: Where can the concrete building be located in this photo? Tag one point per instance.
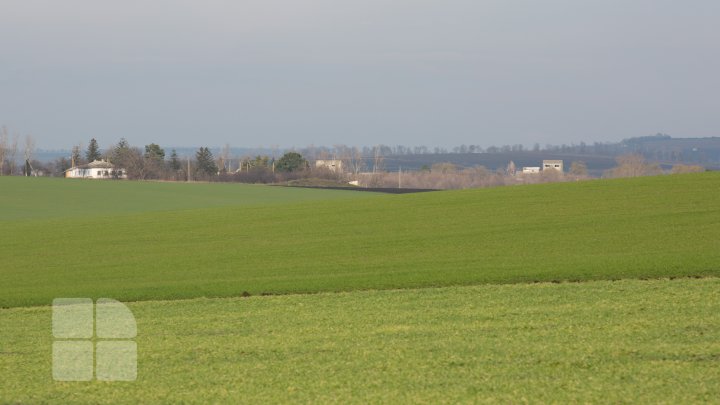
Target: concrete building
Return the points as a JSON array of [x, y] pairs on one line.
[[552, 165], [531, 170], [331, 164]]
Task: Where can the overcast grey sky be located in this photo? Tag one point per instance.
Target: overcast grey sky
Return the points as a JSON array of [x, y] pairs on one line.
[[299, 72]]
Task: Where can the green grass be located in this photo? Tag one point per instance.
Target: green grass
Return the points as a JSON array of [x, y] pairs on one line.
[[596, 342], [23, 198], [630, 228]]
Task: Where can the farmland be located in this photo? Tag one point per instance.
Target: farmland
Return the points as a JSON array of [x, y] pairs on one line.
[[615, 342], [633, 228], [598, 291], [45, 198]]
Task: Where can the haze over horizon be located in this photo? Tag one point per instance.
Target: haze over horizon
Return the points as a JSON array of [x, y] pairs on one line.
[[294, 73]]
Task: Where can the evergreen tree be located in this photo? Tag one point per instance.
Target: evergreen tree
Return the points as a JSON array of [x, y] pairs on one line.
[[93, 151], [154, 151], [174, 161], [206, 162], [290, 162], [121, 150]]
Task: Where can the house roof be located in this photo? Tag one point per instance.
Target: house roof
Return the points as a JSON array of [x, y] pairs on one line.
[[99, 164], [96, 164]]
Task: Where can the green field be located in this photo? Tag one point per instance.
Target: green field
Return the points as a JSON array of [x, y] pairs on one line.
[[633, 228], [444, 297], [23, 198], [597, 342]]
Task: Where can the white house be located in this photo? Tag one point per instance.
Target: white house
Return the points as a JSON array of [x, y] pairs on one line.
[[98, 169]]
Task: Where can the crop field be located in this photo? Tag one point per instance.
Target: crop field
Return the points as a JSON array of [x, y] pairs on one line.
[[633, 228], [24, 198], [610, 342], [598, 291]]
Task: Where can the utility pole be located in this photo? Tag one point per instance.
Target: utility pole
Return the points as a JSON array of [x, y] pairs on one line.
[[399, 177]]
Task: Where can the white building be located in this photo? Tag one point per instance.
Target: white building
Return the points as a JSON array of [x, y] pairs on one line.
[[98, 169], [553, 165], [331, 164], [530, 170]]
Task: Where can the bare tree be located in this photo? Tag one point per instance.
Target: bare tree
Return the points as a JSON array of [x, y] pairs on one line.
[[378, 159], [578, 168], [224, 159], [76, 157], [351, 158], [551, 176], [28, 152], [356, 163], [311, 152], [135, 164], [29, 149], [12, 154], [59, 166], [3, 147], [444, 168], [443, 176], [633, 166], [510, 169], [680, 168]]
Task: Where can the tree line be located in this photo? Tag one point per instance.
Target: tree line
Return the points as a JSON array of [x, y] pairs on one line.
[[151, 162], [364, 165]]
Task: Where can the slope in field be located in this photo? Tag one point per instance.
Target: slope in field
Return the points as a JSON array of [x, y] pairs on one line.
[[644, 227]]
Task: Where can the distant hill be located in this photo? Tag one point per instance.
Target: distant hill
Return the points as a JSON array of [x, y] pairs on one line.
[[665, 148], [494, 161], [660, 148]]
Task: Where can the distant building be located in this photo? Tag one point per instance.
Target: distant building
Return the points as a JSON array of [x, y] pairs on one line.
[[553, 165], [530, 170], [98, 169], [333, 165]]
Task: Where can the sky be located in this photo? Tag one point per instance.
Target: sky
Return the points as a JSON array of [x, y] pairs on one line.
[[254, 73]]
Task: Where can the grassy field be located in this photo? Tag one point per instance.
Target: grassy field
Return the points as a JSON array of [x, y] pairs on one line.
[[23, 198], [597, 342], [630, 228], [470, 340]]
